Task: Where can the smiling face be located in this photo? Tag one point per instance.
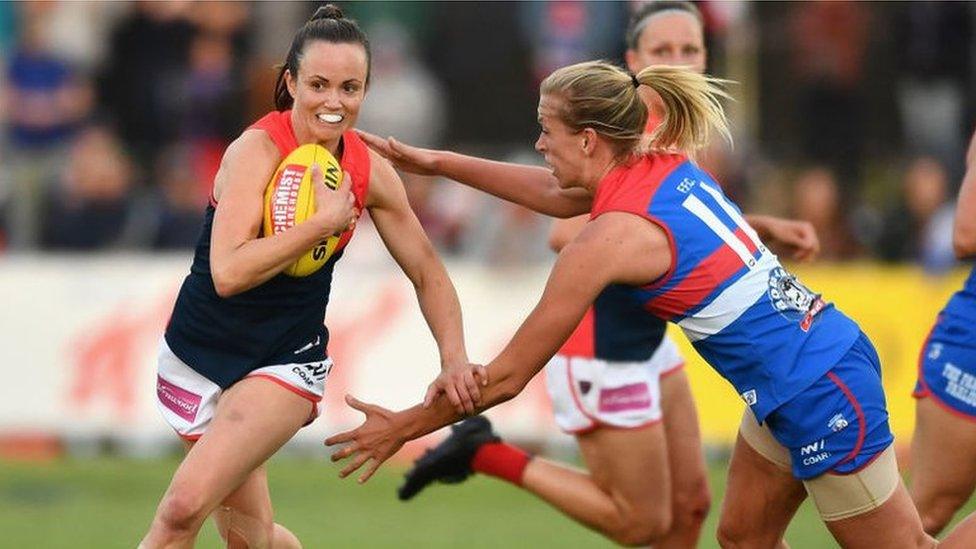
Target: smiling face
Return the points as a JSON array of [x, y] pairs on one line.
[[328, 91], [561, 147], [669, 38]]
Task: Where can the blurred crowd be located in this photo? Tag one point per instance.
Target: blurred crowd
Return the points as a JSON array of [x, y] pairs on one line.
[[114, 115]]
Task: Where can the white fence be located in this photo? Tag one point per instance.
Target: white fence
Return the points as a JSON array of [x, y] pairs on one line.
[[78, 337]]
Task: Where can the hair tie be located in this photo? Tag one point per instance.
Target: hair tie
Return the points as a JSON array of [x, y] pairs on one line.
[[633, 78]]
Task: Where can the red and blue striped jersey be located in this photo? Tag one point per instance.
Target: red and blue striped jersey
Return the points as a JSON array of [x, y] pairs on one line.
[[750, 319]]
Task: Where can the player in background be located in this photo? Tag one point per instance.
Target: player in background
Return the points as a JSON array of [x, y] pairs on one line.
[[944, 443], [243, 363], [816, 421], [617, 384]]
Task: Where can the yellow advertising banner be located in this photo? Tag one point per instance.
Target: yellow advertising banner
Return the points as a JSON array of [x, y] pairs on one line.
[[894, 305]]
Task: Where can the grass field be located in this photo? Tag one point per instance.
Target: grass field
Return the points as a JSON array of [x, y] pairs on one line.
[[107, 503]]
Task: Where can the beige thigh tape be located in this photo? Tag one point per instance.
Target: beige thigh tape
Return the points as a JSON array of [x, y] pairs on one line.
[[762, 441], [836, 496], [843, 496]]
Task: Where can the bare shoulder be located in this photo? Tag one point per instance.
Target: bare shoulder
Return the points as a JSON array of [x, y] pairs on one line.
[[384, 182], [624, 229], [634, 248], [249, 160]]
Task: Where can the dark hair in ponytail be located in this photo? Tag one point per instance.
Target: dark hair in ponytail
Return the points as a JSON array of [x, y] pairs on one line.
[[329, 25]]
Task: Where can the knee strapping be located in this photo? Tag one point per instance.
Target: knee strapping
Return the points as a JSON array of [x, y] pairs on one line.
[[232, 523]]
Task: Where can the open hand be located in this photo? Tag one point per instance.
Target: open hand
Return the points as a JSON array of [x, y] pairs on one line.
[[375, 440], [403, 157]]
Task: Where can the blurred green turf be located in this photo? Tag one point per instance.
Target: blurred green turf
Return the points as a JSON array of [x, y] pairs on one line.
[[108, 503]]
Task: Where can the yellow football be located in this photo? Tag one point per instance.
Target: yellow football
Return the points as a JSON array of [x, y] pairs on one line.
[[290, 199]]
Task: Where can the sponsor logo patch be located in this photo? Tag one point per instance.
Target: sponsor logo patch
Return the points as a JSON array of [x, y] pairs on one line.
[[285, 199], [635, 396], [179, 401], [792, 299], [313, 373], [814, 452], [837, 423], [750, 397]]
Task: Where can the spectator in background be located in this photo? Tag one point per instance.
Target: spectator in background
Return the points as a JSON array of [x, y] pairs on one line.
[[212, 109], [817, 198], [140, 83], [935, 40], [44, 100], [919, 227], [212, 86], [403, 80], [180, 199], [829, 45], [90, 206], [563, 32]]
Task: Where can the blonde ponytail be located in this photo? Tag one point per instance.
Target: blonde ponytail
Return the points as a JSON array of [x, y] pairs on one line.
[[692, 108], [604, 97]]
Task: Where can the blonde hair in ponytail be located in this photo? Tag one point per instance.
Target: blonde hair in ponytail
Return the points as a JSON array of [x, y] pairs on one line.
[[603, 97], [692, 108]]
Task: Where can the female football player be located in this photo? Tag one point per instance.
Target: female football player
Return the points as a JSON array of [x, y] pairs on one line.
[[816, 420], [943, 479], [617, 384], [243, 363]]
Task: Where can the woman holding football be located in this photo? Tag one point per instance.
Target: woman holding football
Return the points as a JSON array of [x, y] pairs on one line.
[[243, 363]]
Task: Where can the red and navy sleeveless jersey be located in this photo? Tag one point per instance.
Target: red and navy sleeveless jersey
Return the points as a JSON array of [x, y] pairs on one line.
[[278, 322], [962, 304], [750, 319], [616, 327]]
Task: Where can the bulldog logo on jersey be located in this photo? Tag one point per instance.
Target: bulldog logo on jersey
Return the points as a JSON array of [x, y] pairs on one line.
[[792, 299]]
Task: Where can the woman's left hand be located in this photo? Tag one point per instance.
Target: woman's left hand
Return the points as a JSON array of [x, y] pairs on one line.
[[459, 381], [375, 440]]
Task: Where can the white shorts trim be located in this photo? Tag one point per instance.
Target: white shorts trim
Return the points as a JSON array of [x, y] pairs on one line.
[[588, 393], [187, 400]]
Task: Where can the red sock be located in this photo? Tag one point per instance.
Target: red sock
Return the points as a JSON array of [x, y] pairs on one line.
[[501, 460]]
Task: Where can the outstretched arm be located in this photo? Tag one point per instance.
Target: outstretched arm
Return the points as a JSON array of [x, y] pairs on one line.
[[617, 247], [530, 186], [408, 244]]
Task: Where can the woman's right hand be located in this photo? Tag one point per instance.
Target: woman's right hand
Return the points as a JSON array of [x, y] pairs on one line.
[[335, 210], [403, 157]]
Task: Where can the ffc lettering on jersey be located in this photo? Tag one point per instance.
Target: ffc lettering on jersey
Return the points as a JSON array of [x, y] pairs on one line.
[[685, 185]]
